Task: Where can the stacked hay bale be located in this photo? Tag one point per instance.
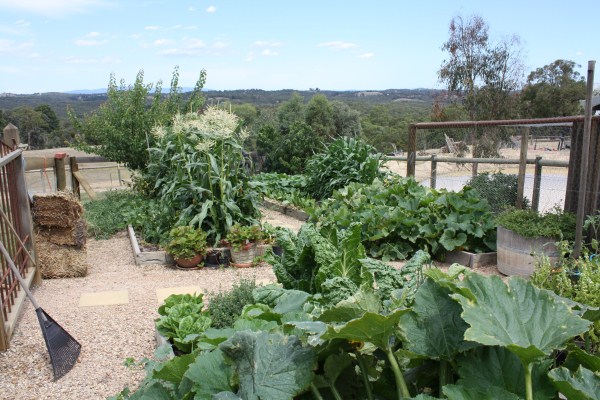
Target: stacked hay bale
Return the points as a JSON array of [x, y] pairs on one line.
[[60, 235]]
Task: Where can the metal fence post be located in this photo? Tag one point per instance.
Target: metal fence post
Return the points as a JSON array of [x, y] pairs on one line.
[[433, 171], [537, 183]]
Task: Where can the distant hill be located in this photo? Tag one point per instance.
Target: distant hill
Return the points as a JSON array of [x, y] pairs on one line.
[[85, 101]]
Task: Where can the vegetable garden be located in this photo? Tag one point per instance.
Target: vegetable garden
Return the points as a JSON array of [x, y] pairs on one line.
[[342, 323]]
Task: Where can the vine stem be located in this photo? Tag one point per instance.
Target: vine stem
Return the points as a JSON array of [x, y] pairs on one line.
[[336, 394], [363, 372], [528, 385], [401, 387], [315, 392]]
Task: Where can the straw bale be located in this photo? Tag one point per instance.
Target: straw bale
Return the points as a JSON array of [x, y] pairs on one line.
[[61, 209], [56, 261], [72, 236]]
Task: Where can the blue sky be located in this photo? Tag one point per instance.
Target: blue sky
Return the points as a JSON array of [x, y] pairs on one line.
[[61, 45]]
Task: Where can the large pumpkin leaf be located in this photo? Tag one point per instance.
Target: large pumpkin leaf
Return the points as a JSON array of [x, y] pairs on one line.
[[210, 375], [353, 307], [524, 319], [496, 366], [370, 327], [457, 392], [578, 357], [269, 366], [434, 328], [582, 385]]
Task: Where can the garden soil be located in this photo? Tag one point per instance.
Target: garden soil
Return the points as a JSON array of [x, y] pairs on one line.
[[108, 334]]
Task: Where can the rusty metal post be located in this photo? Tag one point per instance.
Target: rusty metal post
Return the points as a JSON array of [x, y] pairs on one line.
[[522, 167], [537, 183], [585, 151]]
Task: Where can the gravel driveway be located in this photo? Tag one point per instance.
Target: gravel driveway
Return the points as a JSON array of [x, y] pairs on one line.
[[108, 334]]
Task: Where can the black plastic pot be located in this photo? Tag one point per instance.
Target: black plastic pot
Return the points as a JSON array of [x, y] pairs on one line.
[[216, 259], [277, 250]]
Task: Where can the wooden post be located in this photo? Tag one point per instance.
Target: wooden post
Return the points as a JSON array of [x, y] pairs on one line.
[[59, 171], [74, 181], [411, 151], [522, 167], [11, 136], [537, 182], [433, 178], [25, 212], [585, 151]]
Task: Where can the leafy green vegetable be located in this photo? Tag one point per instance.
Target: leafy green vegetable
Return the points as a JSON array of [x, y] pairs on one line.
[[582, 385], [269, 366], [209, 375], [455, 392]]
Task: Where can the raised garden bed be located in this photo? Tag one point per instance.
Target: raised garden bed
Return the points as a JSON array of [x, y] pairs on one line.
[[471, 260]]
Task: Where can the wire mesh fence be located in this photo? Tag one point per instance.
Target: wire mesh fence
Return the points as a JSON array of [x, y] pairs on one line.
[[487, 156]]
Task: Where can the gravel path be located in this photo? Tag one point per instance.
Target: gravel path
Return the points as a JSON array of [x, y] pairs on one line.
[[108, 334]]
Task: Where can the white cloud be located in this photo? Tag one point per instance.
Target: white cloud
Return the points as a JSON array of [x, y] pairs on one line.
[[192, 9], [162, 42], [92, 34], [22, 23], [366, 55], [81, 60], [54, 8], [136, 36], [220, 45], [152, 28], [211, 9], [269, 53], [250, 57], [265, 43], [338, 45], [84, 42], [189, 47], [15, 49]]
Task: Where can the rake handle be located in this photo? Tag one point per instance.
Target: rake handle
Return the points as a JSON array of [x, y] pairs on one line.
[[16, 272]]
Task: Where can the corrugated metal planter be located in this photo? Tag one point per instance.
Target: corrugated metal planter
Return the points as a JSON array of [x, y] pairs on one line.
[[516, 253]]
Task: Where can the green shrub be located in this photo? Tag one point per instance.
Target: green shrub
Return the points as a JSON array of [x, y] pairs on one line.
[[344, 161], [226, 307], [500, 190]]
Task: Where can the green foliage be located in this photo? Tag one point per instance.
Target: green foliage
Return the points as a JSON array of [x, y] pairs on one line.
[[185, 242], [182, 320], [287, 189], [111, 213], [344, 160], [197, 173], [399, 216], [225, 308], [583, 384], [239, 235], [555, 223], [319, 116], [553, 90], [500, 190], [120, 128], [291, 150]]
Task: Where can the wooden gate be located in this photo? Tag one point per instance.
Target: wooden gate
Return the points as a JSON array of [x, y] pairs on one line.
[[16, 234]]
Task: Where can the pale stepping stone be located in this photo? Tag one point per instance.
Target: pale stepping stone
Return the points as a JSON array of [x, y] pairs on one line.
[[163, 293], [104, 298]]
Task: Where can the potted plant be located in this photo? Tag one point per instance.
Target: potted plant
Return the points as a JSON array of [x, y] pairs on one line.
[[242, 243], [522, 234], [187, 245]]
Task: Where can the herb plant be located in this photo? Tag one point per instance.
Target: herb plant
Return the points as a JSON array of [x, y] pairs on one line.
[[530, 224], [226, 307], [186, 242]]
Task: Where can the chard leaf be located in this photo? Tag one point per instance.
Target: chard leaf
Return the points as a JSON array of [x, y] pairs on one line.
[[269, 366], [209, 374], [582, 385], [496, 366], [225, 396], [526, 320], [370, 327], [457, 392], [434, 328]]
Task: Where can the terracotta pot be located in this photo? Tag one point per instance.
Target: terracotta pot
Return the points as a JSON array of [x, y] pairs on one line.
[[189, 263]]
